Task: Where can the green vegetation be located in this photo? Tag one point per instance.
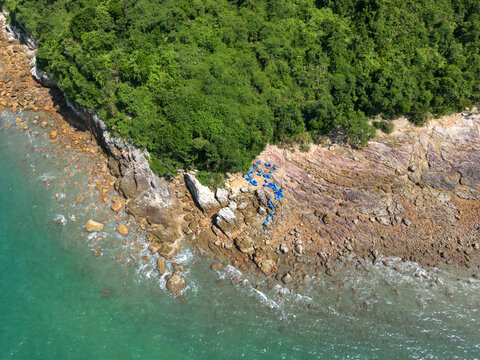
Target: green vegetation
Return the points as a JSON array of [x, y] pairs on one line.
[[207, 83]]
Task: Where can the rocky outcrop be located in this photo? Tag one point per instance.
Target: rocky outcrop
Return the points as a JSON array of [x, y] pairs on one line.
[[202, 195], [175, 283]]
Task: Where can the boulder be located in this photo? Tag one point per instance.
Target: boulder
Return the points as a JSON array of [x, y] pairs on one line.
[[161, 266], [93, 226], [122, 229], [175, 283], [222, 196], [202, 195]]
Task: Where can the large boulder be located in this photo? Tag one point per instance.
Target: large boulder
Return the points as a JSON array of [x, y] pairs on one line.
[[202, 195], [93, 226], [175, 283]]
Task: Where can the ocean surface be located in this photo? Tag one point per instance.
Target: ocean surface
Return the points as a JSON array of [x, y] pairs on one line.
[[58, 301]]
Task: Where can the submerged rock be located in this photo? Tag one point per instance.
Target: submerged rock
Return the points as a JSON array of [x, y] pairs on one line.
[[97, 251], [93, 226]]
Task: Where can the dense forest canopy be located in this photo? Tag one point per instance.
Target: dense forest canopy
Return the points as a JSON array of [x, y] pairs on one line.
[[207, 83]]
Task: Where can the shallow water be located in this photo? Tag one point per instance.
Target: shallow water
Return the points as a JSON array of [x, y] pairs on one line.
[[59, 301]]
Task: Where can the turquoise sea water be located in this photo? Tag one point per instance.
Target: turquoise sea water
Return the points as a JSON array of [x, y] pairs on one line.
[[57, 301]]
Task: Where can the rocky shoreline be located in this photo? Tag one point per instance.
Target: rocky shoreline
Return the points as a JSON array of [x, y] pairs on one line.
[[414, 194]]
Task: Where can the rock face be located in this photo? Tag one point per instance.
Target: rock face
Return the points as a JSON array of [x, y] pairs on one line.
[[175, 283], [202, 195], [93, 226]]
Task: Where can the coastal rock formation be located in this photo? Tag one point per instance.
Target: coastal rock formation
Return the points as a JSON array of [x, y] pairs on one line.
[[202, 195], [93, 226], [149, 197], [413, 194]]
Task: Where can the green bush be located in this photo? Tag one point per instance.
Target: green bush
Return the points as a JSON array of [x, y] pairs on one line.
[[211, 179], [388, 127]]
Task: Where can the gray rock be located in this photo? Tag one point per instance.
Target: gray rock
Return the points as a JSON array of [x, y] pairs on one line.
[[261, 210], [226, 220], [222, 196], [232, 205], [412, 168], [226, 214], [287, 278], [202, 195], [284, 248], [406, 222]]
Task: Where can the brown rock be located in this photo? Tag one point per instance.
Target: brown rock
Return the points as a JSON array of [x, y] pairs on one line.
[[161, 266], [117, 206], [53, 134], [245, 245], [23, 127], [175, 283], [267, 266], [327, 218], [216, 267], [122, 229], [177, 267], [93, 226]]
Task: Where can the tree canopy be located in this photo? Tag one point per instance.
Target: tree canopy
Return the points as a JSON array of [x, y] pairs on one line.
[[208, 83]]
